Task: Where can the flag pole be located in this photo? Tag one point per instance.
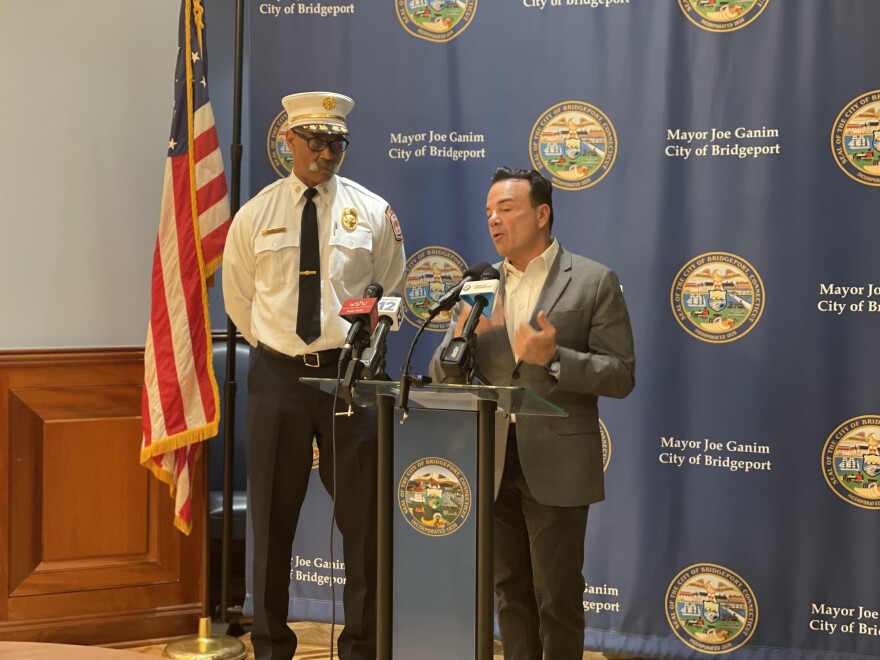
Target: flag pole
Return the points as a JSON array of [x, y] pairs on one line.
[[229, 388], [206, 646]]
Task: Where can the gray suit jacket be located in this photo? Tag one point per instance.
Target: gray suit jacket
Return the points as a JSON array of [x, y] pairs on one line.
[[561, 457]]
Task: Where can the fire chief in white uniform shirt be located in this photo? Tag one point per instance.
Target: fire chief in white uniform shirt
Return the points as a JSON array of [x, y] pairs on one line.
[[299, 249]]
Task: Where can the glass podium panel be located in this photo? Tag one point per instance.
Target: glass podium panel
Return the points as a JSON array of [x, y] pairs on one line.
[[519, 400]]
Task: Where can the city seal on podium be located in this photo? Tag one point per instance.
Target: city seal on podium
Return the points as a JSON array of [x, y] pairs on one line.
[[605, 438], [722, 15], [855, 139], [717, 297], [435, 20], [430, 273], [711, 609], [574, 144], [851, 461], [434, 496]]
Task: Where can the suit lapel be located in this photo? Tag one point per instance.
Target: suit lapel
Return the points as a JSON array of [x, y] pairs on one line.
[[505, 348], [558, 279]]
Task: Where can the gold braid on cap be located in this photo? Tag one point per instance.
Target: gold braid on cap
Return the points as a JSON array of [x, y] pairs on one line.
[[317, 115]]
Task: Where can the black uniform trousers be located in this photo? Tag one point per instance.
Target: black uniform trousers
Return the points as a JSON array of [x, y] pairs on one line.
[[539, 558], [283, 415]]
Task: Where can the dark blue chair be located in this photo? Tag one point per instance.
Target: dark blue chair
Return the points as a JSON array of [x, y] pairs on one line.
[[215, 450]]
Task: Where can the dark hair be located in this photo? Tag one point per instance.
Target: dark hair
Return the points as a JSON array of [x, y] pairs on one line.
[[540, 189]]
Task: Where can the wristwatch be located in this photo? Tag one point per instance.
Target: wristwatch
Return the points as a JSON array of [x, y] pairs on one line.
[[554, 365]]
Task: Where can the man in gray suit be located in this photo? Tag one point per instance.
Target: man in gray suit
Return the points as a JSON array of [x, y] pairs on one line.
[[561, 329]]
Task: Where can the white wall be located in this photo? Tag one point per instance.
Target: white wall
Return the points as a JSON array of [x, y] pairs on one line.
[[86, 91]]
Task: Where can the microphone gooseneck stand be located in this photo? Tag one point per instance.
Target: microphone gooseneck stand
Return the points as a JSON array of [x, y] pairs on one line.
[[405, 379]]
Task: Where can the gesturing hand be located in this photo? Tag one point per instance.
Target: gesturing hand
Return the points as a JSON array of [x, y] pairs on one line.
[[535, 346]]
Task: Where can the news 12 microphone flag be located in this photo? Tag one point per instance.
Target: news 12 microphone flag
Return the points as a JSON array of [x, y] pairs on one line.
[[723, 157]]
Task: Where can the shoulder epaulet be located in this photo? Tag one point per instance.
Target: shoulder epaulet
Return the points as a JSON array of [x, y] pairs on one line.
[[265, 191], [269, 188], [348, 183]]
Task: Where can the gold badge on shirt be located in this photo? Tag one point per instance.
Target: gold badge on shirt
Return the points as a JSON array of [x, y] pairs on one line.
[[349, 219]]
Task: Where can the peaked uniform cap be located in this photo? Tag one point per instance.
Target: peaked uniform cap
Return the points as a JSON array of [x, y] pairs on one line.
[[320, 112]]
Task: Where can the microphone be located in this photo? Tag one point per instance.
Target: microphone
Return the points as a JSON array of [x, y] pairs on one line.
[[390, 310], [359, 312], [447, 301], [458, 357], [449, 298], [482, 293]]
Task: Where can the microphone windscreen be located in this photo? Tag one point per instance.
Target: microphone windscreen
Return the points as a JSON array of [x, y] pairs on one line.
[[373, 290], [475, 271]]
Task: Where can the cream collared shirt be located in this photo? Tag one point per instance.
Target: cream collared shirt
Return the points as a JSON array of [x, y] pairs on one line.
[[522, 288]]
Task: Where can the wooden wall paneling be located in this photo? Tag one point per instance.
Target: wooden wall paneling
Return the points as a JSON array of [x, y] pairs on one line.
[[23, 498], [92, 553], [4, 494]]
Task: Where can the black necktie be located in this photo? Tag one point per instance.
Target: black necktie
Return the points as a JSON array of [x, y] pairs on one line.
[[308, 315]]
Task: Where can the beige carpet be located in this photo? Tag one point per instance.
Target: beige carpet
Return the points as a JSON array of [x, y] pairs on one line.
[[39, 651], [314, 643]]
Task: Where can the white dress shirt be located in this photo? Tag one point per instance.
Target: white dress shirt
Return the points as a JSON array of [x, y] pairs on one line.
[[261, 259], [522, 288]]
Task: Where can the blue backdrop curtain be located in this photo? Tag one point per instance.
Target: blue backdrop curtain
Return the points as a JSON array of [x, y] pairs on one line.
[[722, 157]]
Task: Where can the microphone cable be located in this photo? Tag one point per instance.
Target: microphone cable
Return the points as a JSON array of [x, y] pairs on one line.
[[403, 390], [333, 512], [409, 353], [372, 288]]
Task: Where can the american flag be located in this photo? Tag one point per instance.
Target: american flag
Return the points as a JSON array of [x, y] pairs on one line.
[[180, 399]]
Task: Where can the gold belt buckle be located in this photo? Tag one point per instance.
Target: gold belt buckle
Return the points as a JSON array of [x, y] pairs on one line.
[[309, 364]]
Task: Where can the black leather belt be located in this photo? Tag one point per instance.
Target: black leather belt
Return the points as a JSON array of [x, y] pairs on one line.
[[314, 360]]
